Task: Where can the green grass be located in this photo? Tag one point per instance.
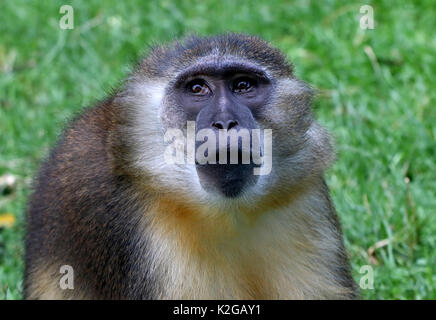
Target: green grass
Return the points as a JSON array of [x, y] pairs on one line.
[[376, 95]]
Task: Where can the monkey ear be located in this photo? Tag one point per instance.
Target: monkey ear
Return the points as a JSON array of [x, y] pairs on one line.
[[322, 143], [299, 87], [296, 93]]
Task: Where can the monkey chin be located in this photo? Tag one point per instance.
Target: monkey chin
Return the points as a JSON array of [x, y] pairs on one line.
[[228, 180]]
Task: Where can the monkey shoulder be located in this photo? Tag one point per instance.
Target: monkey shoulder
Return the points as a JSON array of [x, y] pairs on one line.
[[79, 174]]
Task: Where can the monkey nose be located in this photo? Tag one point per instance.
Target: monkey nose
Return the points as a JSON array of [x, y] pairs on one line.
[[229, 124]]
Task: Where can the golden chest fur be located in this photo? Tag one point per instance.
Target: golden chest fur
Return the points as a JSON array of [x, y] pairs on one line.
[[288, 252]]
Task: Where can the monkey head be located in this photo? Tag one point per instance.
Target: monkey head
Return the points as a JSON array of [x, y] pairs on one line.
[[225, 84]]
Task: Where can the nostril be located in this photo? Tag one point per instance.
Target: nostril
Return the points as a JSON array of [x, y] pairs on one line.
[[231, 124], [228, 125], [218, 124]]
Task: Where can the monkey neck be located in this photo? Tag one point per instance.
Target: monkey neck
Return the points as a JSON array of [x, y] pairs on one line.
[[266, 254], [201, 226]]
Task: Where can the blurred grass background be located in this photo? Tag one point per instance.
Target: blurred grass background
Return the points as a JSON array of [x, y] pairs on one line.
[[376, 95]]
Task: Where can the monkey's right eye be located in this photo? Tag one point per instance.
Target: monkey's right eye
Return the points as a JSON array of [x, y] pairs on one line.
[[198, 87]]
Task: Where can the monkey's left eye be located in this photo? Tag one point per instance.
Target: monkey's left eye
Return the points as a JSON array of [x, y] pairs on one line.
[[242, 85], [198, 87]]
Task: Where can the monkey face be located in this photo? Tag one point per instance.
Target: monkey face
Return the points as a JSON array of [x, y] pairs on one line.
[[223, 99], [219, 85]]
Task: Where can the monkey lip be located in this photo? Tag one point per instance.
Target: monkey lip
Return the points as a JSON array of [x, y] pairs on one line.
[[228, 180]]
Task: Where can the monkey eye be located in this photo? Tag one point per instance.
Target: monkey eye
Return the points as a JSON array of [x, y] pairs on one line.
[[242, 85], [198, 87]]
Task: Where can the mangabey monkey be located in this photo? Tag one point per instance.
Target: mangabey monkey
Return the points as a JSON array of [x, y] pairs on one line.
[[134, 226]]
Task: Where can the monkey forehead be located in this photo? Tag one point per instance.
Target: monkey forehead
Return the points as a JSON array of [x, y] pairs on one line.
[[164, 61], [220, 66]]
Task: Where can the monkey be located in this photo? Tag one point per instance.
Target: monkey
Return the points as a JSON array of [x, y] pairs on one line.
[[132, 225]]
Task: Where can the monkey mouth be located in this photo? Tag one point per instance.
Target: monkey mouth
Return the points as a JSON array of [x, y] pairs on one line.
[[228, 180], [227, 177]]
